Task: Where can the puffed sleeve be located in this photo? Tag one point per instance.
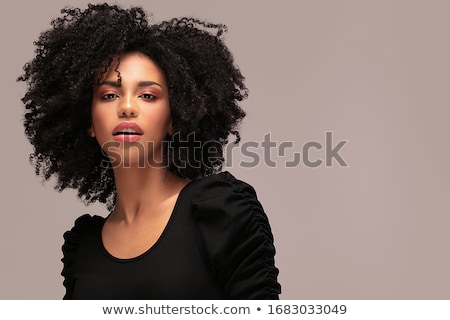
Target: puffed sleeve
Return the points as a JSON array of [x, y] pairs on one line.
[[236, 237], [70, 248]]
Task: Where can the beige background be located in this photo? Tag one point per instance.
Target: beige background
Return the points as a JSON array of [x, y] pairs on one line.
[[375, 73]]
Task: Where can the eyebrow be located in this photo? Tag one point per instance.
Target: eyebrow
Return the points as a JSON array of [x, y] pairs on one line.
[[118, 84]]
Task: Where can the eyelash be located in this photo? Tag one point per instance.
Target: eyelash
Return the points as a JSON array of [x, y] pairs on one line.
[[110, 96], [150, 96]]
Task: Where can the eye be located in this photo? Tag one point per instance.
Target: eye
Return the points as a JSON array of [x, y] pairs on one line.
[[148, 96], [109, 96]]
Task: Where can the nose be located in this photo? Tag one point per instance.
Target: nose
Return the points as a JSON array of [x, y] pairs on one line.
[[128, 108]]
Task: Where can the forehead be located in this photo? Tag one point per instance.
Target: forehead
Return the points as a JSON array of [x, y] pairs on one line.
[[133, 66]]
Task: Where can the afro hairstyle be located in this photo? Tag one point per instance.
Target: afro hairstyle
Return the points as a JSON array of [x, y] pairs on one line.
[[205, 88]]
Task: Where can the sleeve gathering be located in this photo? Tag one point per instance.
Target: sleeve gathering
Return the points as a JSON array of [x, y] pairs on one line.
[[235, 234], [70, 248]]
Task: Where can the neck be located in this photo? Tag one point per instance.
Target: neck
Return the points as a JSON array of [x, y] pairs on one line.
[[142, 191]]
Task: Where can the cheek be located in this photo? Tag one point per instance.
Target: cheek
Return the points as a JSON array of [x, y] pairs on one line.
[[159, 119], [99, 120], [95, 115]]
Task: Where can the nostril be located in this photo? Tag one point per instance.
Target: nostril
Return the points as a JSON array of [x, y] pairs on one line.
[[128, 114]]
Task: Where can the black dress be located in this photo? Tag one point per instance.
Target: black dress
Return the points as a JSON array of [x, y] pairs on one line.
[[217, 245]]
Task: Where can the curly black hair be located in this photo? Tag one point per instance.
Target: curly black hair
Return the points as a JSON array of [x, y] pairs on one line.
[[205, 88]]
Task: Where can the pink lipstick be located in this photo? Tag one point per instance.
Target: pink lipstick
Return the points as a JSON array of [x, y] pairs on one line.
[[127, 132]]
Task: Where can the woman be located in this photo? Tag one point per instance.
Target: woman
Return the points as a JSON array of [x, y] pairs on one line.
[[135, 115]]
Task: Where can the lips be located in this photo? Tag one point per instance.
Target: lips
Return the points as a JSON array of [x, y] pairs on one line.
[[127, 132]]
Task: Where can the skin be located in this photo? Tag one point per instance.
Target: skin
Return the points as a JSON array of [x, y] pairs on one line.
[[146, 192]]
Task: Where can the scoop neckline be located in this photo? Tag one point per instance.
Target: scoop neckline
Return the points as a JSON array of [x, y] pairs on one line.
[[157, 242]]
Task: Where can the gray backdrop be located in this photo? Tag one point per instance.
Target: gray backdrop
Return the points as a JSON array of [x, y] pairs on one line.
[[373, 73]]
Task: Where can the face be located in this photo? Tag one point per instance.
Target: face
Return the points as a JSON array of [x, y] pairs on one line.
[[131, 117]]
